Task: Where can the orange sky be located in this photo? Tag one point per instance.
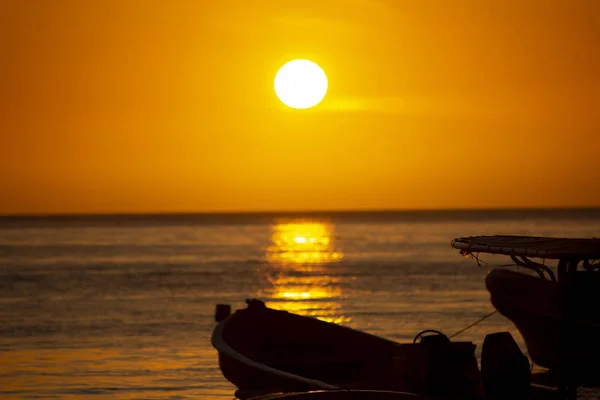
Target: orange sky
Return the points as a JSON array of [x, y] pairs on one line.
[[153, 106]]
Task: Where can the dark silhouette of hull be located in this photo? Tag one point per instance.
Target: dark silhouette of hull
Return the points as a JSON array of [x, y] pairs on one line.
[[342, 395], [533, 305], [262, 350]]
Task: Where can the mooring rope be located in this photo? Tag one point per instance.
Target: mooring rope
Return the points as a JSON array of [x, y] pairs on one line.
[[474, 323]]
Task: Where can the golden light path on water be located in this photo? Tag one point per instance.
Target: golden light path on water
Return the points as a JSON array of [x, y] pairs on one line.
[[299, 276]]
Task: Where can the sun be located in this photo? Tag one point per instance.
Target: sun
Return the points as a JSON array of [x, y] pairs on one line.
[[300, 84]]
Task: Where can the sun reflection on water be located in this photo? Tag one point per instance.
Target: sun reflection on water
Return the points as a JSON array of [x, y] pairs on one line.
[[299, 277], [303, 243]]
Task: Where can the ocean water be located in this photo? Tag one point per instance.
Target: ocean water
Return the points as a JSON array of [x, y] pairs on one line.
[[123, 307]]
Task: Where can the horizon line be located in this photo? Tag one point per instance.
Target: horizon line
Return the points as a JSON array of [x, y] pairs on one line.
[[291, 212]]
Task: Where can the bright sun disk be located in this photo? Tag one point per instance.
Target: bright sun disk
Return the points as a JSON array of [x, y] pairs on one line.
[[300, 84]]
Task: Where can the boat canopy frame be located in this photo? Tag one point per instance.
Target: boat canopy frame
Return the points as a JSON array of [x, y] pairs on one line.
[[570, 253], [570, 249]]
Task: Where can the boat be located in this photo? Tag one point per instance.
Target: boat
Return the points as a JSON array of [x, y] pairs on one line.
[[263, 350], [532, 303], [557, 314]]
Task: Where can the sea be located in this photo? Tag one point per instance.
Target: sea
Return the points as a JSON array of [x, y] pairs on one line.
[[122, 307]]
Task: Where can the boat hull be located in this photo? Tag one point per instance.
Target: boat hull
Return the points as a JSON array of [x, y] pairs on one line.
[[532, 304], [263, 350]]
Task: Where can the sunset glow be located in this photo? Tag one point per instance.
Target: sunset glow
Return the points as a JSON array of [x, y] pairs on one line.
[[154, 107]]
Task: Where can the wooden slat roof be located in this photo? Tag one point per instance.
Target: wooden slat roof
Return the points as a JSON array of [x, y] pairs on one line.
[[529, 246]]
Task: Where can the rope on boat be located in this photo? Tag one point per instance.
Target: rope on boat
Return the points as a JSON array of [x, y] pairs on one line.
[[540, 268], [474, 323], [481, 263]]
